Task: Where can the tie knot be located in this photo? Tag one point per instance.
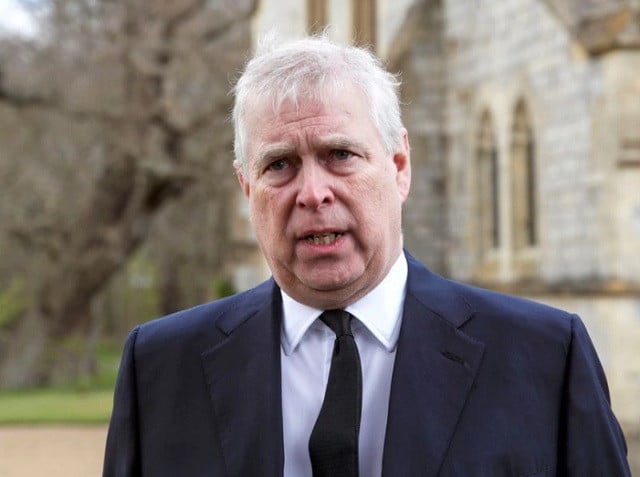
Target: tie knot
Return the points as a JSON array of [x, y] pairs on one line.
[[338, 320]]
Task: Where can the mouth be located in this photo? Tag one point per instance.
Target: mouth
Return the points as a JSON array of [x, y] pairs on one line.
[[326, 238]]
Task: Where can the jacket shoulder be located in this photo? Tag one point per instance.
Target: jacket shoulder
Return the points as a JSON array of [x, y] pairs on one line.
[[206, 322], [471, 306]]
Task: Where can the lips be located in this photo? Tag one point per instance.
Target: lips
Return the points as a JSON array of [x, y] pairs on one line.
[[326, 238]]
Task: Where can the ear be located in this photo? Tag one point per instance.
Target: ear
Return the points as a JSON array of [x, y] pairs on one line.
[[244, 184], [402, 161]]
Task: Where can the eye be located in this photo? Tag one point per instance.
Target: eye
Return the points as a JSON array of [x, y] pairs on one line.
[[341, 154], [278, 165]]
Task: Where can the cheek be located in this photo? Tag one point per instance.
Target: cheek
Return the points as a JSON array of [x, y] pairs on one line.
[[375, 194], [260, 199], [256, 212], [377, 206], [369, 206], [266, 210]]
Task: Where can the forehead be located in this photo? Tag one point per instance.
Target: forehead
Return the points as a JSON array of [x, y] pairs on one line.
[[311, 99], [326, 109]]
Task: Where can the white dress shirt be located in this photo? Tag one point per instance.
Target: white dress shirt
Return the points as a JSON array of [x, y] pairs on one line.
[[307, 346]]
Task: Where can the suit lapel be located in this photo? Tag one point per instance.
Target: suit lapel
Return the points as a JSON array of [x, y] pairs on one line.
[[243, 377], [434, 371]]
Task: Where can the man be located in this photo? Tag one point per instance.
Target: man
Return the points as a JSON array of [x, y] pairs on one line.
[[353, 359]]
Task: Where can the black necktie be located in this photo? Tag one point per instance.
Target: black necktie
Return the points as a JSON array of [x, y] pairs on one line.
[[333, 446]]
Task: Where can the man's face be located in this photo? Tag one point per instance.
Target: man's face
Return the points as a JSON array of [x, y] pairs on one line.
[[324, 196]]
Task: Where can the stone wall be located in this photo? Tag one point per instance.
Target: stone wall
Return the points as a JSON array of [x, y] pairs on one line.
[[423, 72], [502, 51], [617, 144]]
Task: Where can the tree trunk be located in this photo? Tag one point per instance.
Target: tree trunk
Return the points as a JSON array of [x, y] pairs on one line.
[[24, 355], [155, 151], [36, 357], [171, 296]]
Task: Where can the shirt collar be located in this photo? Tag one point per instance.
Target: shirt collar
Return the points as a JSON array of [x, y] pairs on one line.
[[380, 311]]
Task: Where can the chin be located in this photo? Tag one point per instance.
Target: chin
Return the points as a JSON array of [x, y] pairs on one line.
[[330, 285]]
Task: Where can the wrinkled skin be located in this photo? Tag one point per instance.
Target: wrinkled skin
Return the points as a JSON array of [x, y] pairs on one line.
[[325, 197]]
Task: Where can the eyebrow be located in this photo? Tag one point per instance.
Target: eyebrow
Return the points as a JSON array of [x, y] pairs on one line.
[[271, 151], [284, 149], [338, 141], [274, 150]]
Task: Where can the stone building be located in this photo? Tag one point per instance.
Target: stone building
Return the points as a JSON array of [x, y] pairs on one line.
[[524, 117], [524, 122]]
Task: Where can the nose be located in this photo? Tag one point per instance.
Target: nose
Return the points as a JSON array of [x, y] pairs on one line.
[[314, 186]]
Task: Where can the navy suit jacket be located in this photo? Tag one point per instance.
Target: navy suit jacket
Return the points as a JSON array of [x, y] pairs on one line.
[[484, 384]]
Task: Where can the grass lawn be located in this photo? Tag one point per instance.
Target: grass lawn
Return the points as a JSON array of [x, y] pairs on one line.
[[88, 401], [51, 406]]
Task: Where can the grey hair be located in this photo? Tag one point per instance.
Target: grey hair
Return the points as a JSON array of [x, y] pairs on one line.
[[305, 68]]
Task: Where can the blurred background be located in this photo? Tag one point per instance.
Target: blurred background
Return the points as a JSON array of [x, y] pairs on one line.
[[118, 201]]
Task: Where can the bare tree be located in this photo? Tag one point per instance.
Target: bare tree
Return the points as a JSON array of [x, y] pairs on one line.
[[127, 102]]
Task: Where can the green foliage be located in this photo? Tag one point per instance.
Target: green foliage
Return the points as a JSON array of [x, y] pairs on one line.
[[131, 298], [55, 406], [138, 293], [222, 287], [87, 401], [108, 361], [13, 302]]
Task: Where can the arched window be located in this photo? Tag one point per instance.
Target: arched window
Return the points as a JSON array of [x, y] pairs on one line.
[[487, 199], [523, 181]]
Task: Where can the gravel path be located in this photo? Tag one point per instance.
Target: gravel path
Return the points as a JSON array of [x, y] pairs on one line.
[[43, 451]]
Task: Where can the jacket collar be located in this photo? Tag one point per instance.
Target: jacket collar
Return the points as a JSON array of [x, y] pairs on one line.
[[435, 367], [243, 379]]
